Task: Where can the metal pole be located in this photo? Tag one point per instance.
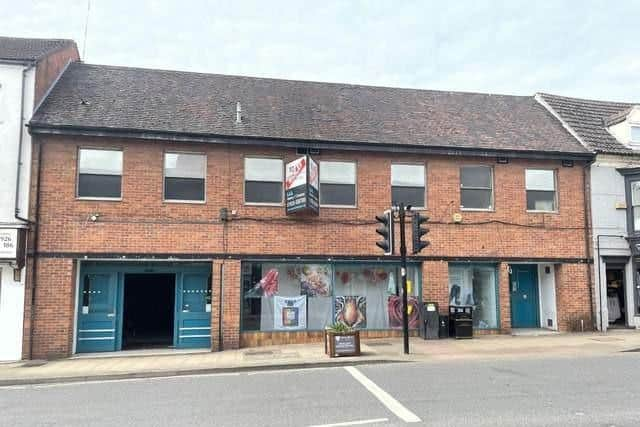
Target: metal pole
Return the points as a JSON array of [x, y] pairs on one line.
[[403, 272]]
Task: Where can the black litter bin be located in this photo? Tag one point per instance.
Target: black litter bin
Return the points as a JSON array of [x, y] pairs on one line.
[[443, 331], [430, 320], [461, 321]]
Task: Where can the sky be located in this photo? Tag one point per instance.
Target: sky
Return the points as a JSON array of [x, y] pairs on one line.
[[582, 48]]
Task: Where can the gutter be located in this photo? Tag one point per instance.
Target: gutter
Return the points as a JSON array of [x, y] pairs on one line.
[[47, 129]]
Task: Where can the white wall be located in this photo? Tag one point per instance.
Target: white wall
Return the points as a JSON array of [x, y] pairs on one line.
[[547, 292], [607, 190], [622, 130], [11, 125]]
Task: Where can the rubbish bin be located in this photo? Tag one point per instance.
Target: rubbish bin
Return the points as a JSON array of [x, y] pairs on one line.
[[430, 320], [443, 331], [461, 321]]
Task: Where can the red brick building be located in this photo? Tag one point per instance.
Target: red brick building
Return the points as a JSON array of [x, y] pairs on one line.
[[161, 211]]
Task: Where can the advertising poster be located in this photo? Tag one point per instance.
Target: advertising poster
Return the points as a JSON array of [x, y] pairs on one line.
[[290, 313], [315, 281], [394, 307], [351, 310]]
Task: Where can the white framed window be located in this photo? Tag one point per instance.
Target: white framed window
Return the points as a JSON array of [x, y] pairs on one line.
[[476, 187], [635, 204], [263, 180], [184, 177], [337, 183], [99, 173], [408, 185], [635, 134], [541, 190]]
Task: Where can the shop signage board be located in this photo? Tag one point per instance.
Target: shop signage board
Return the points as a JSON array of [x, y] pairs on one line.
[[12, 244], [344, 344], [301, 186]]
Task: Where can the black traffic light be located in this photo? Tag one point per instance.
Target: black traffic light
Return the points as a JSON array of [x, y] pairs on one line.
[[386, 231], [417, 232]]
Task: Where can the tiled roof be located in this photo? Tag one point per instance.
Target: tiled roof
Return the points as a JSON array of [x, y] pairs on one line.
[[118, 98], [588, 119], [19, 49]]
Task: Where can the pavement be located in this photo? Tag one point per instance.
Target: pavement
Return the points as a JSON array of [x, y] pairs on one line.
[[148, 364]]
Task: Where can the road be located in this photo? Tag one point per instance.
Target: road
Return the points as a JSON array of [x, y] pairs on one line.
[[593, 391]]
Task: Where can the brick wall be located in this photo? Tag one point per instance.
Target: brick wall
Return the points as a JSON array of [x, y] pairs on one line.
[[143, 224], [50, 67]]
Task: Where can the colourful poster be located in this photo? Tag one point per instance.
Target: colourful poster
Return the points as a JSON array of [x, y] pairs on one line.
[[394, 307], [351, 310], [315, 280], [290, 313]]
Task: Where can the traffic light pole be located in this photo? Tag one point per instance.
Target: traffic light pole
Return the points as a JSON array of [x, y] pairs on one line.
[[403, 273]]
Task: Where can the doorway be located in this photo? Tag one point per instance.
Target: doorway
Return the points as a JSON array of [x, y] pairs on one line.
[[616, 306], [148, 311], [523, 287]]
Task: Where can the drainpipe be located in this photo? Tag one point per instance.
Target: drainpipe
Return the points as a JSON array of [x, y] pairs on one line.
[[19, 161], [600, 276], [34, 274], [587, 244]]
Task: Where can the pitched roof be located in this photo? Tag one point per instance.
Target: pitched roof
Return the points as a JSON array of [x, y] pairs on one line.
[[588, 119], [118, 98], [21, 49]]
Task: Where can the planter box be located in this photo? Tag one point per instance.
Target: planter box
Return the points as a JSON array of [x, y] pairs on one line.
[[338, 344]]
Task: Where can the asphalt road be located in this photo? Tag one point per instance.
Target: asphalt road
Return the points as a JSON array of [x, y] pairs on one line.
[[595, 391]]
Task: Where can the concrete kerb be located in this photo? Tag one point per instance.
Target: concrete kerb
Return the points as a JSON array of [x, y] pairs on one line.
[[188, 372]]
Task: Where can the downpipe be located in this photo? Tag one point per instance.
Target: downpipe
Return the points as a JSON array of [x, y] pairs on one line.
[[20, 138]]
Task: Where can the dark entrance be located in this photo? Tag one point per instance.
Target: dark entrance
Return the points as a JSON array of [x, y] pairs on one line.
[[615, 297], [148, 312]]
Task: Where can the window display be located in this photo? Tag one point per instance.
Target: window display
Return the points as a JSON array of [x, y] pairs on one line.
[[297, 296], [475, 285]]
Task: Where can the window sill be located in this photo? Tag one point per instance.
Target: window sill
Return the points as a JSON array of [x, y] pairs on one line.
[[273, 205], [101, 199], [543, 212], [339, 206], [476, 210], [188, 202]]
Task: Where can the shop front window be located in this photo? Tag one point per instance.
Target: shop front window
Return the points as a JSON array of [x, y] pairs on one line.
[[475, 286], [296, 296]]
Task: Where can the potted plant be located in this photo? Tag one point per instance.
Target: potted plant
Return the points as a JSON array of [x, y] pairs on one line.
[[341, 340]]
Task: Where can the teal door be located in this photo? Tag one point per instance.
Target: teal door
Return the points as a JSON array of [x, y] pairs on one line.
[[98, 328], [523, 284], [193, 310]]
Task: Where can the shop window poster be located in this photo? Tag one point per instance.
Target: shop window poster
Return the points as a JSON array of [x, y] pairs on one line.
[[351, 311], [266, 287], [290, 313], [394, 307], [315, 280]]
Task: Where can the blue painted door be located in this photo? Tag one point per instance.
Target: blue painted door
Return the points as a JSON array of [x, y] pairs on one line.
[[98, 313], [524, 296], [193, 310]]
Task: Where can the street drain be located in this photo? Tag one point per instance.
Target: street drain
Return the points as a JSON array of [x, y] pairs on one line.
[[377, 344], [607, 339], [259, 353]]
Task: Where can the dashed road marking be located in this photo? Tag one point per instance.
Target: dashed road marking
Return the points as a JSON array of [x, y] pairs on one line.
[[353, 423]]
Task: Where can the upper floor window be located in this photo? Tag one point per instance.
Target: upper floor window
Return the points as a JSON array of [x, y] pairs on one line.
[[541, 190], [337, 183], [635, 204], [263, 180], [476, 187], [408, 185], [635, 134], [99, 173], [184, 176]]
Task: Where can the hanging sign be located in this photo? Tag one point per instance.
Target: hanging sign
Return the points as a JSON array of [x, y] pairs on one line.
[[301, 186], [12, 244], [290, 313]]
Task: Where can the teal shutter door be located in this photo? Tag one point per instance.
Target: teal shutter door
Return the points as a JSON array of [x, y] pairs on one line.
[[97, 313], [193, 310]]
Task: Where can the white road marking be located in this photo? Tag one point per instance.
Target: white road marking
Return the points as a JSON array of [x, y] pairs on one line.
[[385, 398], [353, 423]]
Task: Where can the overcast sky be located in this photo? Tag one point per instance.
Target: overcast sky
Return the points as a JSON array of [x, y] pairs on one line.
[[577, 48]]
